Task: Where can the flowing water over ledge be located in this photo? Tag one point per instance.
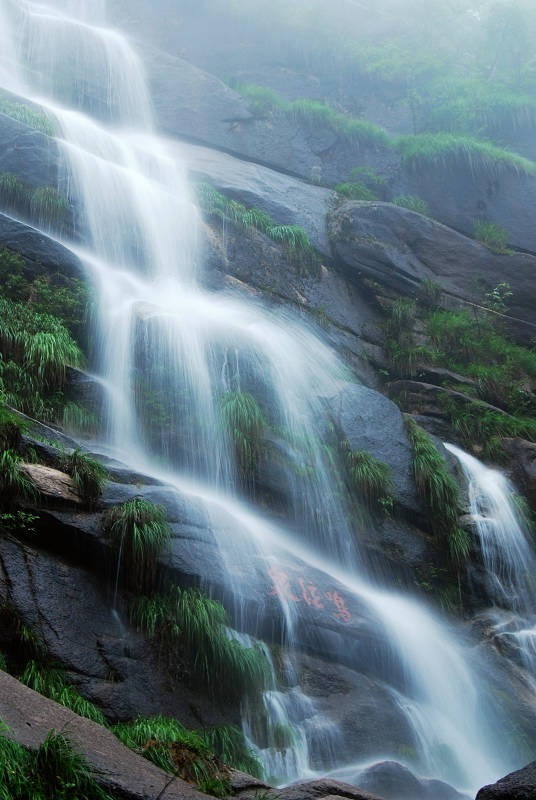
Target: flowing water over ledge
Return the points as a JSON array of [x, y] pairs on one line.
[[156, 323]]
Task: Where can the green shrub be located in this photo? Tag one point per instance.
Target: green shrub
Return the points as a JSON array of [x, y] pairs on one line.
[[186, 624], [412, 203], [370, 478], [491, 235], [245, 422], [89, 476], [139, 531], [50, 682], [356, 191]]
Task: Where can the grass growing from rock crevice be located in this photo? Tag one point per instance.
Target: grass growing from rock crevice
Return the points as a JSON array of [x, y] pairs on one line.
[[246, 425], [191, 628], [493, 236], [50, 682], [446, 150], [88, 474], [139, 531], [294, 239], [263, 101], [15, 486], [369, 478], [53, 772], [27, 114], [438, 491], [200, 757], [412, 203], [45, 206]]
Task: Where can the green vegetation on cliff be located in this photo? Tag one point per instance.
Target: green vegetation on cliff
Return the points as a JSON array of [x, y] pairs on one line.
[[55, 771], [245, 422]]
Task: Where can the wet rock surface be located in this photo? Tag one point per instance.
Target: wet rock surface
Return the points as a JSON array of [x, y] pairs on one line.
[[520, 785]]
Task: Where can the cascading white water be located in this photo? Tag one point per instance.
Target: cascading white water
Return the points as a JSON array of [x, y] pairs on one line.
[[158, 329], [507, 548]]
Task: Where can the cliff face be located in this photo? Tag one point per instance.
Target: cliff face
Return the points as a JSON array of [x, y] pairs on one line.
[[394, 292]]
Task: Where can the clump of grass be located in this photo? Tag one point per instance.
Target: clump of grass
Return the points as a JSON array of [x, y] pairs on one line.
[[88, 474], [295, 241], [246, 424], [78, 419], [369, 477], [33, 117], [50, 682], [445, 150], [15, 486], [48, 207], [175, 749], [355, 190], [188, 625], [438, 491], [139, 531], [492, 235], [412, 203], [229, 744], [264, 101], [13, 192], [38, 342]]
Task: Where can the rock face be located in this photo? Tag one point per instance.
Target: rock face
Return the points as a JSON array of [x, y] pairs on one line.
[[520, 785], [288, 200], [394, 781], [30, 717], [399, 249]]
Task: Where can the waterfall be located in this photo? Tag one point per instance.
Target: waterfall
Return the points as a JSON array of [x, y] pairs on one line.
[[508, 552], [159, 330]]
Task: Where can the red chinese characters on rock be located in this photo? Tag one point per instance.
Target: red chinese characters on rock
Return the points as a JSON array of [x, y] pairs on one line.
[[283, 588]]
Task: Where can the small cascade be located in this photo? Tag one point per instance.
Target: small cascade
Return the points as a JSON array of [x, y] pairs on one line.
[[508, 552], [160, 335]]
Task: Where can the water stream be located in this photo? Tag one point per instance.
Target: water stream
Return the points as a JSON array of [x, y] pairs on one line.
[[159, 330]]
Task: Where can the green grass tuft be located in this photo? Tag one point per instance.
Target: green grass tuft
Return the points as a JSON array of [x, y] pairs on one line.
[[15, 486], [188, 625], [245, 422], [412, 203], [88, 474], [50, 682], [139, 531], [33, 117], [492, 235], [438, 491], [229, 744], [370, 478], [54, 772], [446, 150]]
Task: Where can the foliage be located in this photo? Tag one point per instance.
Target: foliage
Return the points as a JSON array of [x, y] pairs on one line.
[[369, 477], [44, 205], [294, 239], [187, 624], [246, 424], [412, 203], [14, 484], [492, 235], [446, 150], [264, 101], [79, 420], [229, 744], [139, 531], [355, 190], [438, 491], [29, 115], [88, 474], [39, 344], [18, 522], [172, 747], [50, 682], [53, 772]]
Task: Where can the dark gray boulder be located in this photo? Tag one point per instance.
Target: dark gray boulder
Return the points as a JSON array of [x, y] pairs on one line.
[[520, 785], [394, 781], [399, 249], [372, 422]]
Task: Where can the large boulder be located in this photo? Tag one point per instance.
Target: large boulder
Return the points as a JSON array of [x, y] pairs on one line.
[[394, 781], [40, 253], [400, 249], [520, 785]]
